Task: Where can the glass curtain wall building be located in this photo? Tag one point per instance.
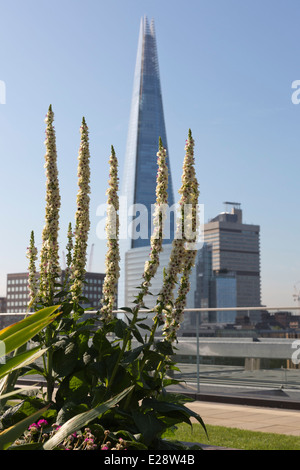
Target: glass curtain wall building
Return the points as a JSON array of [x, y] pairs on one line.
[[146, 125]]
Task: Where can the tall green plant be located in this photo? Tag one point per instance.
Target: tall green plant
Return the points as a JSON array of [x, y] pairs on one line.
[[185, 252], [110, 285], [152, 264], [32, 253], [82, 224], [94, 375], [49, 257]]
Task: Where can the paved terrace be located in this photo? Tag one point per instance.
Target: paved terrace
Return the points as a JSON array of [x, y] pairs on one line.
[[251, 418]]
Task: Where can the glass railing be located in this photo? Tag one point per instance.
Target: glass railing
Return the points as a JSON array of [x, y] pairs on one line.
[[257, 357]]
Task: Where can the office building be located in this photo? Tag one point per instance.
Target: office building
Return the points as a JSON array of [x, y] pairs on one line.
[[223, 295], [146, 125], [18, 292], [209, 289], [236, 249]]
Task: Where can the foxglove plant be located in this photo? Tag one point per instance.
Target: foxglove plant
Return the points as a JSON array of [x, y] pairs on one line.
[[110, 285], [69, 252], [49, 259], [159, 217], [32, 255], [82, 219], [156, 246], [179, 255], [190, 194]]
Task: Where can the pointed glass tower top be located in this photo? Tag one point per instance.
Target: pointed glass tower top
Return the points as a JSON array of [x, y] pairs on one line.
[[146, 125]]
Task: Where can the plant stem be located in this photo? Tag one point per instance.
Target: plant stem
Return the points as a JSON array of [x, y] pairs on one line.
[[125, 342], [49, 370], [143, 361]]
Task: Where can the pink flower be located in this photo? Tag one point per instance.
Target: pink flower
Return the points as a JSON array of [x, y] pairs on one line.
[[42, 422], [33, 425]]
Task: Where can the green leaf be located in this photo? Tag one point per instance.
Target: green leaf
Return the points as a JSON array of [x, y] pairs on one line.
[[130, 356], [21, 360], [144, 326], [153, 359], [135, 445], [73, 388], [148, 425], [8, 436], [164, 347], [33, 446], [30, 320], [62, 293], [137, 334], [78, 421], [120, 329], [65, 359], [168, 382], [175, 398], [101, 343], [166, 407], [19, 391], [126, 309], [16, 335], [21, 337]]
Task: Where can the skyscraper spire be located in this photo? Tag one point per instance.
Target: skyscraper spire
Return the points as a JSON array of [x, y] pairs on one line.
[[146, 126]]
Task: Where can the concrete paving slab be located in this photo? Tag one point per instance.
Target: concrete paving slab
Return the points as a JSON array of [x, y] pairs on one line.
[[272, 420]]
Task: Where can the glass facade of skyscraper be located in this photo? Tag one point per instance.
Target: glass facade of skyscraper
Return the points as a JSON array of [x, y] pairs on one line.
[[146, 125]]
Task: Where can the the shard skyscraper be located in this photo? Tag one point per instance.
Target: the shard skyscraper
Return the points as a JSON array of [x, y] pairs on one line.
[[146, 125]]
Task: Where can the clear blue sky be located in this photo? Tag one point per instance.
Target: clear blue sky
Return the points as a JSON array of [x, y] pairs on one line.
[[226, 71]]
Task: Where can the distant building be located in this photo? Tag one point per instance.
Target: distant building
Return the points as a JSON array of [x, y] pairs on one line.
[[18, 293], [210, 289], [223, 295], [287, 319], [146, 126], [236, 249], [2, 304], [204, 274], [134, 268]]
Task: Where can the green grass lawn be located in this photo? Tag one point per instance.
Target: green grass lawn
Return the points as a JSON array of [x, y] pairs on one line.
[[235, 438]]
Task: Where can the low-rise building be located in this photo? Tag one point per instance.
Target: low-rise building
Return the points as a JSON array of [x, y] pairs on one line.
[[18, 292]]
